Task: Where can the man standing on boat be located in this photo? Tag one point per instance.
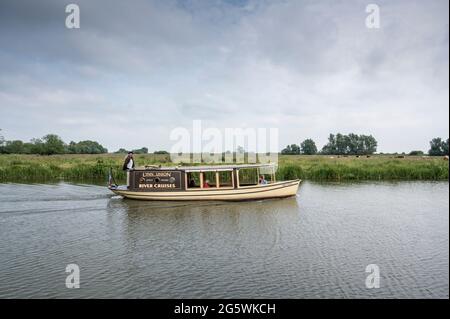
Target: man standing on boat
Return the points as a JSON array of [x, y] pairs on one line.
[[128, 165]]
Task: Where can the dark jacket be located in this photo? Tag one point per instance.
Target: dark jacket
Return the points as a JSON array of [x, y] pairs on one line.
[[127, 160]]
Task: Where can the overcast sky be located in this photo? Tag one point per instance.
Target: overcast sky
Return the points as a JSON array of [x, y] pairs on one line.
[[137, 69]]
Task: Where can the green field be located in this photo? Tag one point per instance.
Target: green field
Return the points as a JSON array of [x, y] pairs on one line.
[[94, 168]]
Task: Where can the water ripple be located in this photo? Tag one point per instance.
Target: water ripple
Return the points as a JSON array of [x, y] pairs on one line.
[[315, 245]]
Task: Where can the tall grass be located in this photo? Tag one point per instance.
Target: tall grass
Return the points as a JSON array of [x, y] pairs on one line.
[[94, 168], [90, 168], [329, 168]]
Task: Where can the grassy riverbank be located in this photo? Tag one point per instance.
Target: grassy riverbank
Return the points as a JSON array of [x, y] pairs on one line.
[[89, 168]]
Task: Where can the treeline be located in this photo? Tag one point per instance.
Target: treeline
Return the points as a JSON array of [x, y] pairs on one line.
[[50, 144], [339, 144], [353, 144]]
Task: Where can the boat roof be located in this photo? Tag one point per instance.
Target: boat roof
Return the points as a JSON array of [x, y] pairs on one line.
[[204, 168]]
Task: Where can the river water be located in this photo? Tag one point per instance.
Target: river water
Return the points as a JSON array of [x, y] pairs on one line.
[[315, 245]]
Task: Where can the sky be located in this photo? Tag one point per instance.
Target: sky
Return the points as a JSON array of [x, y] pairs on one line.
[[136, 70]]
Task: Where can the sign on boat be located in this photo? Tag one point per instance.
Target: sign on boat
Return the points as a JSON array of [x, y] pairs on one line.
[[221, 182]]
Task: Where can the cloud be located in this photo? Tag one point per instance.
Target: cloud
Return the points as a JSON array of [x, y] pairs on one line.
[[135, 70]]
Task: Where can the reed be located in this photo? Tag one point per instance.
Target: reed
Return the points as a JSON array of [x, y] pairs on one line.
[[94, 168]]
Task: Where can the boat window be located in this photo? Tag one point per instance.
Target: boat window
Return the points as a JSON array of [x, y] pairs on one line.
[[226, 179], [193, 180], [267, 173], [209, 179], [248, 176]]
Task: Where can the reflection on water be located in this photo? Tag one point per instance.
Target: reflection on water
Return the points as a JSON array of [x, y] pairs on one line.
[[314, 245]]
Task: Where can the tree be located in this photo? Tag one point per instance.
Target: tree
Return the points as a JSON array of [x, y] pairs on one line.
[[2, 143], [142, 150], [330, 147], [445, 147], [160, 152], [308, 147], [292, 149], [28, 148], [38, 146], [416, 153], [435, 147], [16, 147], [342, 143], [370, 144], [53, 144], [13, 147], [351, 144], [354, 144], [85, 147], [71, 148], [286, 150], [438, 147], [240, 149]]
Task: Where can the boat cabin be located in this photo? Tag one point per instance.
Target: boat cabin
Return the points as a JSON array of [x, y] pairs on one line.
[[179, 178]]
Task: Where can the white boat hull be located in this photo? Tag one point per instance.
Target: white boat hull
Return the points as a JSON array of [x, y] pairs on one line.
[[274, 190]]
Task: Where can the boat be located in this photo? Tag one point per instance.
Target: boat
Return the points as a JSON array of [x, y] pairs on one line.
[[218, 183]]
